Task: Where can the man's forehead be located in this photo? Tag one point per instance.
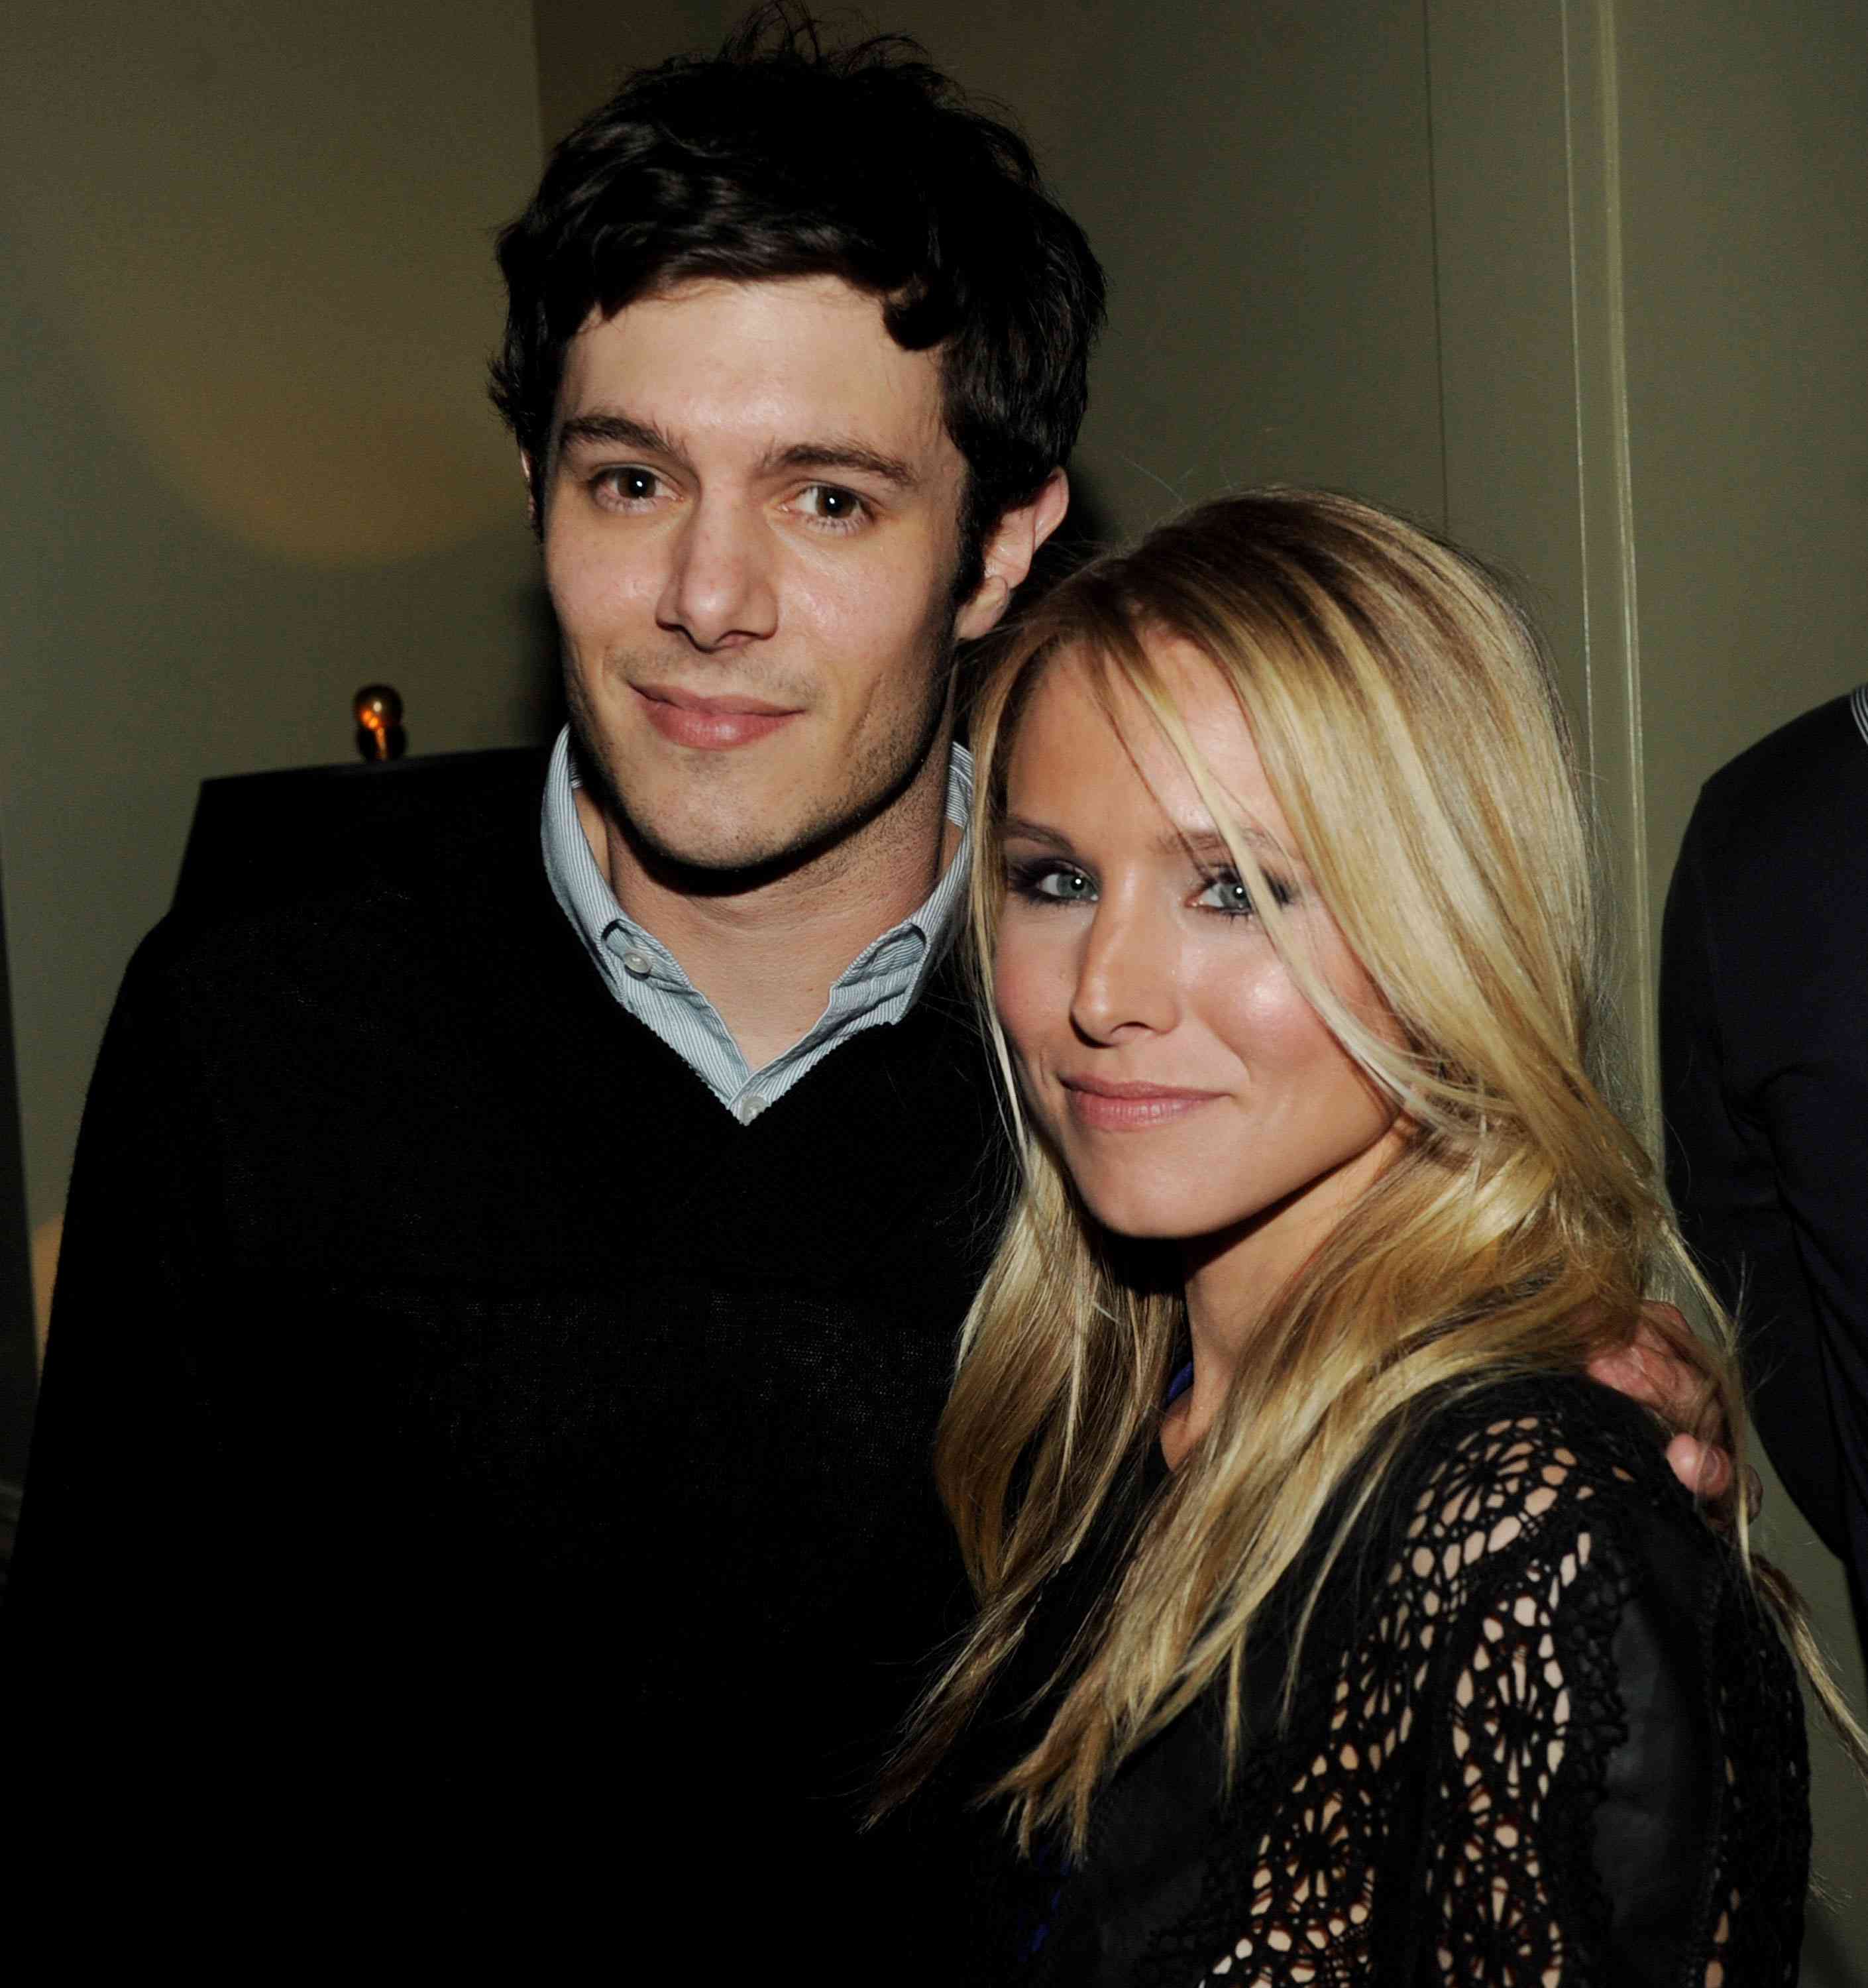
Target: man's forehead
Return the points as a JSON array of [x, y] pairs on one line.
[[823, 289], [780, 363]]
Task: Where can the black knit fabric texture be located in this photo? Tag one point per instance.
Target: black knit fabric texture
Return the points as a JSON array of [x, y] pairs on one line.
[[461, 1435]]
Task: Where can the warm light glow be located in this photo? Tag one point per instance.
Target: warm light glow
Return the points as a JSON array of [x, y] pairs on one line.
[[286, 293], [46, 1237]]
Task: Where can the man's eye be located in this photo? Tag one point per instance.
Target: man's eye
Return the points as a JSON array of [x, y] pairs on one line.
[[832, 504], [629, 486]]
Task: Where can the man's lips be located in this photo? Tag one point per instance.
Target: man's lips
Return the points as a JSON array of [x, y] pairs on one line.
[[713, 724], [1104, 1105]]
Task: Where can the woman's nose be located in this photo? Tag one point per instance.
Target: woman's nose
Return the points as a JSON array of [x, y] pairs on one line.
[[1126, 973]]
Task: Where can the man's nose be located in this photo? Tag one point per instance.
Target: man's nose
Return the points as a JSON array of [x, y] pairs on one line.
[[1126, 974], [719, 584]]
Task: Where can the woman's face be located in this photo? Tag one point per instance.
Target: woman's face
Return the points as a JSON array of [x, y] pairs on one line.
[[1191, 1089]]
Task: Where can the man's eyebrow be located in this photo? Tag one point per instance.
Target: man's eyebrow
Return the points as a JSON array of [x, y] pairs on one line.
[[836, 453], [609, 428]]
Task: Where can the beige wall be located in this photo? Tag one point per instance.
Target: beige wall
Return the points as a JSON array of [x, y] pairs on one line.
[[586, 46], [1582, 279], [246, 298], [1745, 170]]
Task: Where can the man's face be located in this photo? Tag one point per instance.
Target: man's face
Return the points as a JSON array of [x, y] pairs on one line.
[[751, 524]]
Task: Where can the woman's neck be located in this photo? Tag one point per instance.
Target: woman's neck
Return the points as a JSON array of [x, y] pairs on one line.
[[1232, 1279], [1220, 1334]]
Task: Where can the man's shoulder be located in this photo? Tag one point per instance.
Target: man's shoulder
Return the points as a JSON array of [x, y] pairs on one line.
[[363, 882], [1774, 856], [1794, 777]]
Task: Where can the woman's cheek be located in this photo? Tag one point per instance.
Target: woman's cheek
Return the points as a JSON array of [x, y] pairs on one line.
[[1247, 1000], [1032, 984]]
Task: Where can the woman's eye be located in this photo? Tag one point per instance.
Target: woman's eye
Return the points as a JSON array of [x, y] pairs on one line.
[[1231, 895], [1051, 883], [1227, 894], [1071, 885]]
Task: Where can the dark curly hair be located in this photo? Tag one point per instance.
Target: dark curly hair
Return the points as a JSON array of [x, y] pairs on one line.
[[780, 158]]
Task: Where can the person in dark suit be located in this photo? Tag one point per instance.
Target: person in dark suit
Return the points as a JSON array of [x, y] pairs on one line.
[[1763, 1047]]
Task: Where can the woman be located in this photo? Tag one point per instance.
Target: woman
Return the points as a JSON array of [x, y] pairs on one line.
[[1331, 1626]]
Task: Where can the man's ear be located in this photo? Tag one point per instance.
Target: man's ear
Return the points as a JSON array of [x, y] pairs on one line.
[[1009, 552]]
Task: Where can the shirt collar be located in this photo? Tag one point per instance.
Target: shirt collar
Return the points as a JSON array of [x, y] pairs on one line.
[[878, 985]]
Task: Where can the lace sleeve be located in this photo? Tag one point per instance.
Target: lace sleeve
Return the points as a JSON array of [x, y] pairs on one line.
[[1527, 1725], [1536, 1773], [1583, 1788]]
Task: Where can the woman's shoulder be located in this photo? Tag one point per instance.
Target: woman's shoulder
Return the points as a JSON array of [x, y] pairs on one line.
[[1565, 1600], [1537, 1699], [1539, 1517], [1546, 1494], [1492, 1468]]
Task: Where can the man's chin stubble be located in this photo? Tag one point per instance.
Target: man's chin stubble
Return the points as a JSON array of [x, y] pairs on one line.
[[712, 867], [751, 863]]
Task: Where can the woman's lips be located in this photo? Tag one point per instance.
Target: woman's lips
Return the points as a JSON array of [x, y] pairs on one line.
[[713, 724], [1105, 1107]]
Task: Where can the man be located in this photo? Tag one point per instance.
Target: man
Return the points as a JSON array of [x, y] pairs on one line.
[[506, 1307], [1765, 1071]]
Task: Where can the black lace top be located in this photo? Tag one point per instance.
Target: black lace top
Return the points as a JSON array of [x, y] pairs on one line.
[[1541, 1736]]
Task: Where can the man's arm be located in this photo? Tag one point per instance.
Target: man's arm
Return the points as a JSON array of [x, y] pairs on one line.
[[1723, 1176], [114, 1546]]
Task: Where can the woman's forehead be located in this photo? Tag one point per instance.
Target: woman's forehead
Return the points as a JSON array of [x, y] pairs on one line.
[[1087, 727]]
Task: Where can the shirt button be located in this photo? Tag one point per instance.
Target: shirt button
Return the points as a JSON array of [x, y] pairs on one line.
[[638, 962], [748, 1106]]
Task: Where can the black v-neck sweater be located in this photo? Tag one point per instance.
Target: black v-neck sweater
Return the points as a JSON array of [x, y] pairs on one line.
[[454, 1414]]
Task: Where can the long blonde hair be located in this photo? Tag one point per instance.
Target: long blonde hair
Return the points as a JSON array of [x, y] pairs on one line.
[[1407, 724]]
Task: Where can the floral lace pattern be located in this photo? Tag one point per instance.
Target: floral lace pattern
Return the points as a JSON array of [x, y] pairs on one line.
[[1436, 1808]]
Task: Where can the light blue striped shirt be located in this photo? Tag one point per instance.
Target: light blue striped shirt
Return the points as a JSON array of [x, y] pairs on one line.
[[878, 985]]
